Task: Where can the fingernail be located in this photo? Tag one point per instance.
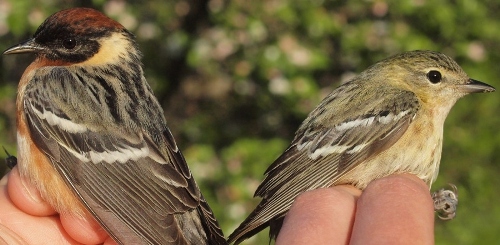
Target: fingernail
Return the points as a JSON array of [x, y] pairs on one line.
[[31, 192], [350, 189], [4, 180]]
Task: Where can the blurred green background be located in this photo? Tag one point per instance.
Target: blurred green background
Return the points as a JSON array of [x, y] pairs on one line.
[[236, 78]]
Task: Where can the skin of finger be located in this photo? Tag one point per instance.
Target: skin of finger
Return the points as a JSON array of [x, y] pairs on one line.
[[9, 237], [321, 216], [110, 241], [30, 228], [83, 230], [394, 210], [26, 197]]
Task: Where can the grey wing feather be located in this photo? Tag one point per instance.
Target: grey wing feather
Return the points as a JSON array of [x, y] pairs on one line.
[[322, 153], [136, 183]]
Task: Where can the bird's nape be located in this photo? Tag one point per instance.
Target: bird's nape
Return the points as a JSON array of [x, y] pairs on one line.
[[92, 137], [388, 119]]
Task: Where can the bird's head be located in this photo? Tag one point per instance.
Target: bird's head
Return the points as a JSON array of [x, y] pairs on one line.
[[432, 76], [79, 35]]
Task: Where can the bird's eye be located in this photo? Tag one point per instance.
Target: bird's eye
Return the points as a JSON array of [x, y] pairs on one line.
[[434, 76], [69, 43]]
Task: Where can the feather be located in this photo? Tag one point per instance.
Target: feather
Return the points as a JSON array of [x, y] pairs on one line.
[[320, 155], [131, 176]]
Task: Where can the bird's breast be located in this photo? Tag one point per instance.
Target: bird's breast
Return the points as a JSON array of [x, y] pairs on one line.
[[417, 152], [34, 165]]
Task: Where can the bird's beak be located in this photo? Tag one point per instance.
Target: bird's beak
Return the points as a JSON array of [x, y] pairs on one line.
[[29, 46], [474, 86]]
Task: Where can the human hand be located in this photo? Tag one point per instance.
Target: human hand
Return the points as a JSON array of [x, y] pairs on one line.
[[397, 209], [26, 219]]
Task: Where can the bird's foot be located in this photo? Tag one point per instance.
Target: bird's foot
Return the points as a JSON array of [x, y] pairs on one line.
[[445, 202], [11, 161]]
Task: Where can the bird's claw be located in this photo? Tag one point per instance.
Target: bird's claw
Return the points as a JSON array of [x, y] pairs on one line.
[[445, 202], [11, 161]]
